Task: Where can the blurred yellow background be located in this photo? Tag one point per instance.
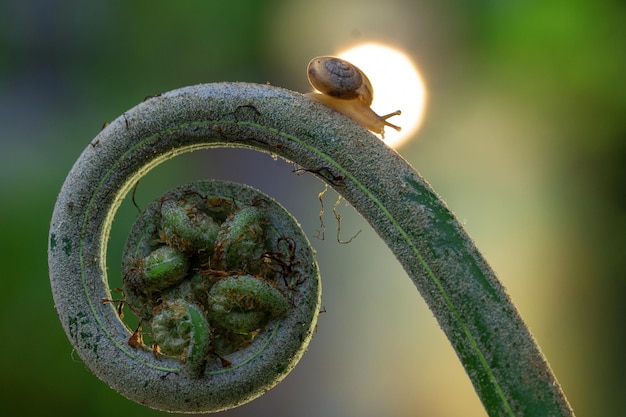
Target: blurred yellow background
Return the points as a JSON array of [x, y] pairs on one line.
[[524, 136]]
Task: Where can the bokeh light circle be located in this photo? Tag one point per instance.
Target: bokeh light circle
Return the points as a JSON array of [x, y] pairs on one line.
[[398, 85]]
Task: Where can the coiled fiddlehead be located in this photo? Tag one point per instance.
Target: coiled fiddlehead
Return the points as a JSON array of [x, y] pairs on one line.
[[506, 367], [213, 269]]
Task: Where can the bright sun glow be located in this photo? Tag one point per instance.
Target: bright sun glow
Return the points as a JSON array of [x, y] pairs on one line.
[[397, 85]]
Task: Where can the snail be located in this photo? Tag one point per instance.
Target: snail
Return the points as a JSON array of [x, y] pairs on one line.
[[345, 88]]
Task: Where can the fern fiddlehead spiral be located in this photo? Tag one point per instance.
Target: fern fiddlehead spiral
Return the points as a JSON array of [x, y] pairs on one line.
[[506, 367]]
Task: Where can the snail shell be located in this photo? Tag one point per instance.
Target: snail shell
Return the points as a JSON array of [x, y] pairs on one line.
[[345, 88], [338, 78]]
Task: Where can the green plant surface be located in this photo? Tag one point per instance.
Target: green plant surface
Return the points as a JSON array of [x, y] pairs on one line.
[[500, 356]]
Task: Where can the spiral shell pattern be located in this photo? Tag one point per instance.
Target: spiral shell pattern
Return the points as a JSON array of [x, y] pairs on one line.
[[335, 77]]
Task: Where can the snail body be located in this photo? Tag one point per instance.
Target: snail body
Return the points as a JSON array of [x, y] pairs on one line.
[[345, 88]]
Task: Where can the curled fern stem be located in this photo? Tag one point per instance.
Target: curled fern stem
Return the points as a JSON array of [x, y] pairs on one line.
[[506, 367]]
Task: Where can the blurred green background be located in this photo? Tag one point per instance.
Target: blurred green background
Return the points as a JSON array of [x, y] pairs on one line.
[[524, 137]]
